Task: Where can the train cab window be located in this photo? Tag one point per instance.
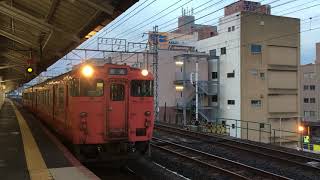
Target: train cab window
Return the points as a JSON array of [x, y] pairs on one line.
[[141, 88], [61, 97], [84, 87], [117, 92]]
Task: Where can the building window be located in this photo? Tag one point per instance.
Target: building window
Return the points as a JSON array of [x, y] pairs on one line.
[[213, 52], [230, 75], [255, 48], [309, 114], [305, 87], [229, 29], [309, 75], [255, 103], [231, 102], [262, 76], [211, 34], [306, 113], [223, 51], [306, 100], [214, 98], [312, 114], [312, 100], [214, 75], [253, 72], [312, 87], [233, 28]]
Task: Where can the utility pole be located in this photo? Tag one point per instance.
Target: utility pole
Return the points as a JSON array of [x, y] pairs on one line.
[[155, 71]]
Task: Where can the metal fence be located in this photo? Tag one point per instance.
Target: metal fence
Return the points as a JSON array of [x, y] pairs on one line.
[[253, 131]]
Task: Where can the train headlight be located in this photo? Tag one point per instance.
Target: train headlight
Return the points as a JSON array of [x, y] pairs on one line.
[[144, 72], [87, 71]]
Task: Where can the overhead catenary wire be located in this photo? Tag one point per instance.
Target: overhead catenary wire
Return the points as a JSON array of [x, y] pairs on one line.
[[140, 10], [207, 21], [291, 1], [222, 23], [130, 30], [215, 3], [117, 21], [218, 2], [286, 2], [310, 29], [272, 38]]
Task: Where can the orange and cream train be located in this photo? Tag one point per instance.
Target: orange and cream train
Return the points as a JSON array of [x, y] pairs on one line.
[[97, 110]]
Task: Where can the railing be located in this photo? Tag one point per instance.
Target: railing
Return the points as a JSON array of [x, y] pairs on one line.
[[208, 87], [250, 130]]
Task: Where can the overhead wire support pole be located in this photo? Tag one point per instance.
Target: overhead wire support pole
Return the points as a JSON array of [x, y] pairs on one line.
[[155, 71], [197, 92]]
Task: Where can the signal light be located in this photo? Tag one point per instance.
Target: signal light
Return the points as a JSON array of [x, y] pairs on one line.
[[87, 71], [144, 72], [29, 69]]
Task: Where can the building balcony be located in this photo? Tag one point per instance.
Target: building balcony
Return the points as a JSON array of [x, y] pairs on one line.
[[209, 87], [180, 77]]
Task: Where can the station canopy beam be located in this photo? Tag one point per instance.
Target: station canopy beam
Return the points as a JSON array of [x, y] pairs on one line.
[[38, 33]]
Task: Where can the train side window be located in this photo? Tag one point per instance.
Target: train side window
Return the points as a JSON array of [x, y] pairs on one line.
[[84, 87], [141, 88], [61, 97], [117, 92]]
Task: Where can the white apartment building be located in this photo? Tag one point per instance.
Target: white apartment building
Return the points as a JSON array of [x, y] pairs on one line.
[[258, 78]]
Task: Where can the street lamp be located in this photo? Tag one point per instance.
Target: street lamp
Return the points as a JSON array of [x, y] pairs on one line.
[[301, 129]]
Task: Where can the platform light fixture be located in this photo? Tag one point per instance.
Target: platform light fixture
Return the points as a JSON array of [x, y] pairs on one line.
[[90, 34], [179, 88], [179, 63], [144, 72], [87, 71]]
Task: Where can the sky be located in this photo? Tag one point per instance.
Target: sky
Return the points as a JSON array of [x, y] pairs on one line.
[[142, 16]]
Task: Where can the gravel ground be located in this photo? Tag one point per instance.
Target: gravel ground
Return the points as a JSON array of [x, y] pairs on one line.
[[143, 168], [185, 167], [244, 157], [153, 170]]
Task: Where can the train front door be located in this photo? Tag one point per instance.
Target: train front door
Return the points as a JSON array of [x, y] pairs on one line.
[[117, 109]]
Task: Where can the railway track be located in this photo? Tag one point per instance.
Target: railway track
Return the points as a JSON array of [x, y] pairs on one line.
[[225, 167], [290, 158]]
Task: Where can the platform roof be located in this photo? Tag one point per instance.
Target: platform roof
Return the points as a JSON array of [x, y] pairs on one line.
[[38, 33]]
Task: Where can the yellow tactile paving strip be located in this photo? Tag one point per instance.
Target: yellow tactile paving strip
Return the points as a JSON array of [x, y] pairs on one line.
[[36, 166]]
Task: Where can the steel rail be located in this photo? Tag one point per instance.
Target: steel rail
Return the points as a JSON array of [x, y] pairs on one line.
[[226, 166], [284, 156]]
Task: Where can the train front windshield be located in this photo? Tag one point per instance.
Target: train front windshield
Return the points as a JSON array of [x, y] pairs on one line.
[[142, 88], [87, 88]]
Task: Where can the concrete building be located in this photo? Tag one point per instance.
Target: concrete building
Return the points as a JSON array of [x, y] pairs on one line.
[[187, 25], [248, 75], [310, 96], [310, 83], [259, 57], [309, 89]]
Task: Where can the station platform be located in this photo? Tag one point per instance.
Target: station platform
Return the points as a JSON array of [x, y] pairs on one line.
[[29, 151]]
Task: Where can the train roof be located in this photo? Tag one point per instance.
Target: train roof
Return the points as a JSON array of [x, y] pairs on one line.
[[95, 63]]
